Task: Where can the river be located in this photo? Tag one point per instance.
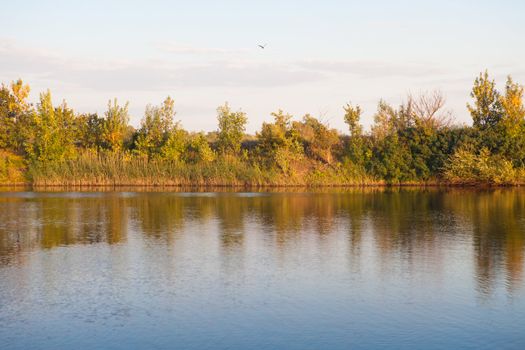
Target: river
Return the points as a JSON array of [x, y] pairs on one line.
[[337, 269]]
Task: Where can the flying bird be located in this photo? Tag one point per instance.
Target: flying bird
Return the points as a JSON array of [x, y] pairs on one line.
[[262, 46]]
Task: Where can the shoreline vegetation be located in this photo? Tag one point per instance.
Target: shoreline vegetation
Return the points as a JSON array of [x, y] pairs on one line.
[[415, 144]]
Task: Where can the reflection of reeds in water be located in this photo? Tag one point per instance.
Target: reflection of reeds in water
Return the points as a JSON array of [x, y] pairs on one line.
[[412, 223], [230, 189]]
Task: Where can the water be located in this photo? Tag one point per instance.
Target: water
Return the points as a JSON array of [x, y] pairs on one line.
[[359, 269]]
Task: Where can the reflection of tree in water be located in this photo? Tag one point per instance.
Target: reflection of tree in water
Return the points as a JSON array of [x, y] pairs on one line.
[[409, 223], [158, 216], [281, 215], [417, 224], [67, 221], [163, 215], [497, 220], [231, 211], [289, 215], [356, 210], [15, 236], [55, 220], [413, 225]]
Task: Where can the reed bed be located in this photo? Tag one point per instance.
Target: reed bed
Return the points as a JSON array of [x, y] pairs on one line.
[[113, 169]]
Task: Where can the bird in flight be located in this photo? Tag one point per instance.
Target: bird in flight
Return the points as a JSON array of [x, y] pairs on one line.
[[262, 46]]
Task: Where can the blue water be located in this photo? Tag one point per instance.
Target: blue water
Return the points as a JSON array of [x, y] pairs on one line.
[[369, 269]]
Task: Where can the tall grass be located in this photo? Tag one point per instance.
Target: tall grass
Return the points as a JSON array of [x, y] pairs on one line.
[[117, 169], [92, 169], [120, 169]]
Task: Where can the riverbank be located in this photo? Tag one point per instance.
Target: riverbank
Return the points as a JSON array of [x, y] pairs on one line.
[[217, 175], [415, 144], [144, 184], [115, 171]]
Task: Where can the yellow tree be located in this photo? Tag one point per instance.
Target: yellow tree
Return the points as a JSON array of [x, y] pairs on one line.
[[512, 105], [115, 126], [512, 134], [51, 135]]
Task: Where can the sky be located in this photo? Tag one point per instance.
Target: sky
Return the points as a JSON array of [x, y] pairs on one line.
[[319, 54]]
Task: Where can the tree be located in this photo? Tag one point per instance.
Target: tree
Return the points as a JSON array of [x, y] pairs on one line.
[[512, 128], [156, 126], [391, 158], [487, 110], [318, 139], [175, 144], [115, 126], [232, 126], [279, 142], [356, 141], [51, 136], [427, 119], [352, 119], [386, 121], [199, 150], [13, 110], [427, 110], [512, 107], [89, 128]]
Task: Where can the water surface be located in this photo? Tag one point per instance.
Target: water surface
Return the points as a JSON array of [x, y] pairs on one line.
[[359, 269]]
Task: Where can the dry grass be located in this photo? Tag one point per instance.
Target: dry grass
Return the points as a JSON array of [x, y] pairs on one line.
[[111, 169]]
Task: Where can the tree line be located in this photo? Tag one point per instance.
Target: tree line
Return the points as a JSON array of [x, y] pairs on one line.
[[416, 142]]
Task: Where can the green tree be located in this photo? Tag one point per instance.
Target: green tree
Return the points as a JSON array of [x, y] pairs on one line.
[[175, 145], [427, 120], [156, 126], [232, 126], [487, 110], [51, 136], [391, 157], [279, 143], [198, 149], [356, 141], [352, 118], [13, 110], [391, 160], [89, 128]]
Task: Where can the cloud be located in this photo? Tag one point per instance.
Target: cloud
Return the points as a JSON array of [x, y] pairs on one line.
[[15, 58], [162, 73], [374, 69], [145, 75]]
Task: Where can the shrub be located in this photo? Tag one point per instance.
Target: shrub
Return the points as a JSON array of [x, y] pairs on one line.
[[467, 167]]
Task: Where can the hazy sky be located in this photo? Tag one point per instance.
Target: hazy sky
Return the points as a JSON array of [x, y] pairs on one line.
[[320, 54]]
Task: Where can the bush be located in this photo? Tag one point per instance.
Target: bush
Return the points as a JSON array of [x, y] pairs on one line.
[[12, 168], [467, 167]]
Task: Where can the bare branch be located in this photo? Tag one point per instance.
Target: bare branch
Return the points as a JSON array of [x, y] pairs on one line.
[[427, 109]]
